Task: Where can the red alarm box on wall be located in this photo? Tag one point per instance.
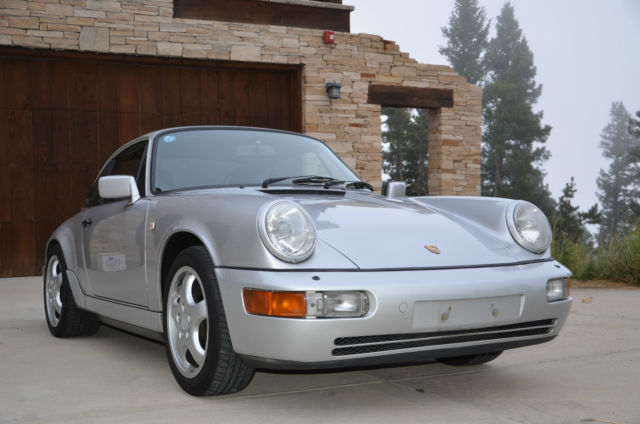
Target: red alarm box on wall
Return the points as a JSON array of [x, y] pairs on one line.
[[329, 37]]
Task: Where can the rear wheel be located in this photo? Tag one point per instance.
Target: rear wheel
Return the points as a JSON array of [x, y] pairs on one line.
[[470, 359], [64, 318], [197, 340]]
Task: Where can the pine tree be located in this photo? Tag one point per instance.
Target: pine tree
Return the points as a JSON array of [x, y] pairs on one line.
[[634, 125], [467, 40], [634, 129], [407, 156], [513, 133], [416, 174], [395, 136], [634, 158], [568, 221], [618, 187]]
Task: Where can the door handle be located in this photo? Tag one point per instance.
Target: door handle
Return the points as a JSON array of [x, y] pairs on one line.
[[86, 222]]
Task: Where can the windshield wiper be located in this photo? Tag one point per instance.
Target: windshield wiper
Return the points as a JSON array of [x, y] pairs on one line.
[[298, 179], [354, 184], [316, 179]]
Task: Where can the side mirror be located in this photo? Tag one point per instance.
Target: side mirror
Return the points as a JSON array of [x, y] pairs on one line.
[[118, 187], [393, 189]]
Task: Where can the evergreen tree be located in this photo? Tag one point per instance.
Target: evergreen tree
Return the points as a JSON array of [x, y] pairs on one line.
[[634, 158], [634, 125], [568, 221], [634, 129], [618, 187], [513, 133], [467, 40], [395, 136], [416, 175], [407, 156]]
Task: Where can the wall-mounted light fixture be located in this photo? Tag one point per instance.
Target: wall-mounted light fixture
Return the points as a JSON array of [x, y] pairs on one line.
[[333, 90]]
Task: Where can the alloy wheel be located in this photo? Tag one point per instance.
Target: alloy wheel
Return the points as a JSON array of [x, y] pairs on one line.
[[187, 322], [53, 299]]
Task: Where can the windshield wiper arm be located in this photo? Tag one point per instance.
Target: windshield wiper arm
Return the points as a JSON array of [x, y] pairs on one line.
[[314, 180], [354, 184], [297, 179]]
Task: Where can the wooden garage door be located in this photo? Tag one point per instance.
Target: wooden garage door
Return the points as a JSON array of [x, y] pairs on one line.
[[63, 114]]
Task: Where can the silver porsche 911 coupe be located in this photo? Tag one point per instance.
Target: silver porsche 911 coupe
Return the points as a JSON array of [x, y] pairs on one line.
[[246, 249]]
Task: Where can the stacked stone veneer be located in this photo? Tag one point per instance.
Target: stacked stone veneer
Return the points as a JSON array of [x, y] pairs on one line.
[[349, 125]]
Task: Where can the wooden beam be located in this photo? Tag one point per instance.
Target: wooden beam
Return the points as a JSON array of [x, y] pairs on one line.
[[398, 96], [263, 12], [90, 57]]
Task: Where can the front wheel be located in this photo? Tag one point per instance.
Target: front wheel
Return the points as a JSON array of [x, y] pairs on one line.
[[197, 340], [470, 359]]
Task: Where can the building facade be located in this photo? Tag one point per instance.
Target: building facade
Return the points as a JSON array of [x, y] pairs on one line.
[[80, 77]]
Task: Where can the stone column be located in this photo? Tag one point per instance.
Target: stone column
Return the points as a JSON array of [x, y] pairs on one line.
[[455, 145]]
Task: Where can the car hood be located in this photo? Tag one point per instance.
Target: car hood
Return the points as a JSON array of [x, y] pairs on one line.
[[354, 229], [377, 233]]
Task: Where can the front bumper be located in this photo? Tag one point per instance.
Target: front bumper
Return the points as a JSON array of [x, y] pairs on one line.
[[414, 315]]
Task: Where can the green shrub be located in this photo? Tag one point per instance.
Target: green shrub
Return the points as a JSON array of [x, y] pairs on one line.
[[577, 256], [618, 261]]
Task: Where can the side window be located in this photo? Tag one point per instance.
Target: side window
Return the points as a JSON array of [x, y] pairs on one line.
[[129, 162], [93, 199]]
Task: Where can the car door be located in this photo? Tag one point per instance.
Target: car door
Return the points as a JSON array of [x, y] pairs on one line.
[[113, 234]]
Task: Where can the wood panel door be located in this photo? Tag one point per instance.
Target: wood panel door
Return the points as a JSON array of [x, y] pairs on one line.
[[63, 114]]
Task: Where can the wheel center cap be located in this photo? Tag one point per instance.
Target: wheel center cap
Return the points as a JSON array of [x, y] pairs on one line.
[[184, 321]]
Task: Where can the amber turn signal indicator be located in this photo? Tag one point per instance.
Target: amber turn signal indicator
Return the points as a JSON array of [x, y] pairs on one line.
[[275, 304]]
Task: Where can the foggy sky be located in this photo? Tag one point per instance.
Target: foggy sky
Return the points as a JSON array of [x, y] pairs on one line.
[[587, 53]]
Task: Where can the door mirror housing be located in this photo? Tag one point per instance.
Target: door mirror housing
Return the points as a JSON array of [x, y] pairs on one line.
[[393, 189], [118, 187]]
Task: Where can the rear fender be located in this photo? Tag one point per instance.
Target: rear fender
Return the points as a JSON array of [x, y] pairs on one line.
[[71, 244]]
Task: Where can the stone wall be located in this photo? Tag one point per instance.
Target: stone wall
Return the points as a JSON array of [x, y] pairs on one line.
[[349, 125]]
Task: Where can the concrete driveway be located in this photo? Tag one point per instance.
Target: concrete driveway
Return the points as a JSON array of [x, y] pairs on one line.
[[591, 373]]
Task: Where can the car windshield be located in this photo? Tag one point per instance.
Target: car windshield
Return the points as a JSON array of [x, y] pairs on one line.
[[226, 157]]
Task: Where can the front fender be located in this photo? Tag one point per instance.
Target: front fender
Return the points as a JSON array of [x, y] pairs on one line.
[[229, 233], [486, 215]]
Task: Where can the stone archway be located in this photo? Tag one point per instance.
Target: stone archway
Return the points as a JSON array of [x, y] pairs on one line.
[[453, 164]]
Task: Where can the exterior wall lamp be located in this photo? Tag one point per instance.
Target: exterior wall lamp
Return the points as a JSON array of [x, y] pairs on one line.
[[333, 90]]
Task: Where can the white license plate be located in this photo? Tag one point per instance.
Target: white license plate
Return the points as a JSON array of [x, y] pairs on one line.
[[467, 313]]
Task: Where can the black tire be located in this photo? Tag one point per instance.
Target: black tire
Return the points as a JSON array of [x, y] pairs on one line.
[[458, 361], [218, 370], [63, 316]]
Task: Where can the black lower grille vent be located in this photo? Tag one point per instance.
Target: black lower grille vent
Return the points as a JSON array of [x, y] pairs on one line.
[[371, 344]]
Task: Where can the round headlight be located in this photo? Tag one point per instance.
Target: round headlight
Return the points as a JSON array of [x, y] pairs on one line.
[[529, 227], [287, 230]]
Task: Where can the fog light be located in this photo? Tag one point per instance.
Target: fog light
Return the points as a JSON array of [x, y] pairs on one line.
[[558, 289], [337, 304]]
